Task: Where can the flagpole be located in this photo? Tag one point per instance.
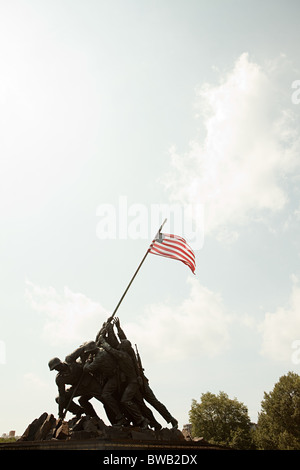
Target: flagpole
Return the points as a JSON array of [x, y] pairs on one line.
[[132, 279]]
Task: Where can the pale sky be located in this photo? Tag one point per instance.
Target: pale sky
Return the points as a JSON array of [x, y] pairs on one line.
[[127, 105]]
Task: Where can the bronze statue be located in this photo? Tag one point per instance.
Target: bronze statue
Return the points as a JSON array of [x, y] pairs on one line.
[[109, 370], [146, 391]]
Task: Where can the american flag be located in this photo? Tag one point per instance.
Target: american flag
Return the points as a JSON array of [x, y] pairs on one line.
[[173, 246]]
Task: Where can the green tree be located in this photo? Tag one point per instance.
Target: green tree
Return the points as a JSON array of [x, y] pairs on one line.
[[278, 425], [221, 420]]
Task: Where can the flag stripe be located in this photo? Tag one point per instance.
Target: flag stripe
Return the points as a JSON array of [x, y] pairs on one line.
[[175, 247], [174, 255], [169, 255], [168, 241], [171, 248], [180, 246]]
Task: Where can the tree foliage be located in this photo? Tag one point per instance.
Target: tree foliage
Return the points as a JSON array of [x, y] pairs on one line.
[[278, 424], [221, 420]]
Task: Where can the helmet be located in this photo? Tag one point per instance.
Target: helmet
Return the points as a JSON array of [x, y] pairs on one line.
[[54, 362], [125, 344], [90, 346]]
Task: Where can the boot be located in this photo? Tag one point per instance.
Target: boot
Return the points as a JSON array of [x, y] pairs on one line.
[[174, 423]]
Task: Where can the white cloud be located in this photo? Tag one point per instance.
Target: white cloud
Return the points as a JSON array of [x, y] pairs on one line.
[[197, 327], [69, 317], [32, 380], [281, 328], [251, 144]]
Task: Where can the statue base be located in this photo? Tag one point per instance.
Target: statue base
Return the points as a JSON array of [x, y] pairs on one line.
[[89, 433]]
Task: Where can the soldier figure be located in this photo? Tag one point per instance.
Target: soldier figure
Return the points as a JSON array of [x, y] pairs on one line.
[[146, 391], [108, 334], [67, 375], [83, 385], [131, 385], [103, 363]]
